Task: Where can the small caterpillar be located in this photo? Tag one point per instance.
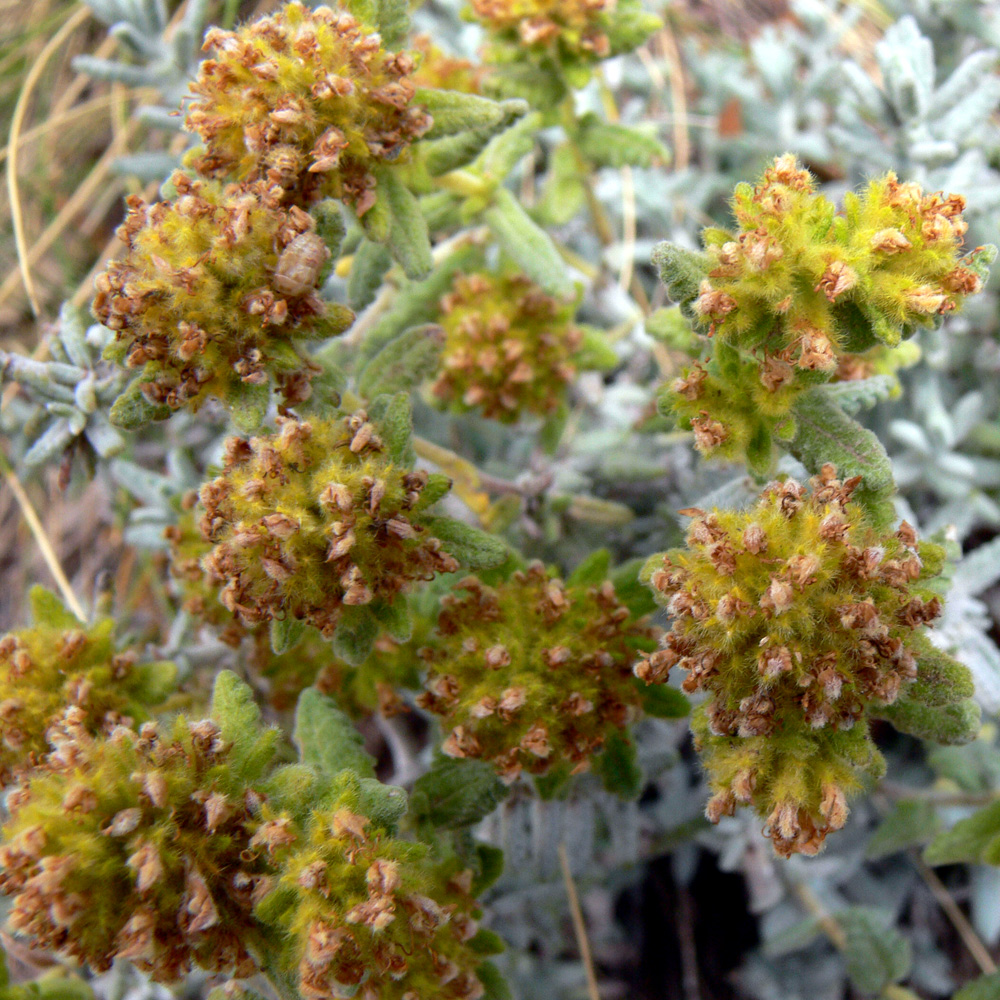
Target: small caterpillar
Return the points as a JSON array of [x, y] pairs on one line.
[[300, 264]]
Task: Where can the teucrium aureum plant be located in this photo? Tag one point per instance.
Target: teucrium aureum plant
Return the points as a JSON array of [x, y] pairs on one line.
[[805, 613], [337, 557]]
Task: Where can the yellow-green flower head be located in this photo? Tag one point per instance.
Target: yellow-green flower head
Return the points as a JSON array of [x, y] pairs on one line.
[[307, 99], [532, 675], [359, 690], [436, 68], [798, 280], [794, 615], [137, 846], [799, 784], [373, 917], [59, 663], [212, 294], [510, 349], [573, 32], [316, 517]]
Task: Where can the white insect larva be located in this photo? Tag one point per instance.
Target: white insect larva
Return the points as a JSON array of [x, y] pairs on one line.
[[300, 264]]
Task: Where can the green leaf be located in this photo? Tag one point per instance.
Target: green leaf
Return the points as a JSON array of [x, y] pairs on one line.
[[593, 571], [285, 633], [396, 428], [669, 326], [154, 682], [394, 618], [454, 111], [507, 149], [663, 702], [438, 485], [368, 269], [948, 724], [606, 144], [295, 787], [632, 590], [941, 679], [408, 241], [239, 720], [487, 943], [327, 389], [862, 393], [984, 988], [618, 767], [473, 548], [327, 739], [682, 271], [909, 824], [404, 362], [452, 152], [455, 793], [355, 636], [330, 228], [47, 609], [826, 434], [595, 352], [131, 410], [968, 840], [489, 867], [563, 193], [980, 260], [384, 804], [393, 22], [529, 246], [377, 221], [248, 404], [876, 953], [493, 983]]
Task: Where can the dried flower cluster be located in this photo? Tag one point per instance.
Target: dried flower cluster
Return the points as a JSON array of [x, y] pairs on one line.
[[58, 664], [317, 517], [795, 616], [573, 32], [531, 674], [509, 348], [786, 279], [799, 292], [308, 100], [436, 68], [359, 689], [206, 301], [137, 846], [370, 916]]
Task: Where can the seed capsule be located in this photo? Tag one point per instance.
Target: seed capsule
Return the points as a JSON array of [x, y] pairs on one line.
[[300, 264]]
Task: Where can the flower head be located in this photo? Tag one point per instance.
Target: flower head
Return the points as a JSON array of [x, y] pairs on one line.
[[574, 34], [206, 300], [790, 279], [800, 295], [532, 674], [136, 846], [308, 100], [315, 518], [56, 664], [795, 616], [373, 917], [438, 69], [509, 348]]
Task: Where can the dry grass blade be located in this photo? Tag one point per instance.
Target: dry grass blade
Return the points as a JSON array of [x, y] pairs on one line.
[[13, 140], [959, 921], [42, 540], [579, 927]]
